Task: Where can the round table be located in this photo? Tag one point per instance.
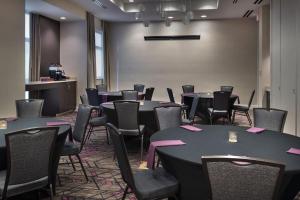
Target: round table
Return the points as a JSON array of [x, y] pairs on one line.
[[114, 96], [184, 162], [205, 102], [146, 112], [26, 123]]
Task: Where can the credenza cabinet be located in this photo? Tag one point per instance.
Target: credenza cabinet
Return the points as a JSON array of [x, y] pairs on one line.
[[59, 96]]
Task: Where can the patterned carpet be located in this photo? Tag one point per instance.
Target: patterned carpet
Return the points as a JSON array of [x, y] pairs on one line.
[[105, 182]]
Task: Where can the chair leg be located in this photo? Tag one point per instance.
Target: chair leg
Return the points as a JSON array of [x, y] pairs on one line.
[[107, 135], [125, 192], [142, 147], [72, 163], [87, 135], [51, 192], [233, 117], [84, 172], [249, 119], [211, 119], [158, 162]]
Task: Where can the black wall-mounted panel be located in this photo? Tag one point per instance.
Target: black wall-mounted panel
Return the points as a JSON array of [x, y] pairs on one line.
[[173, 37]]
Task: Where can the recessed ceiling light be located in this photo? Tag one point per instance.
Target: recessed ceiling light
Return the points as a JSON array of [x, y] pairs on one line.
[[131, 1], [203, 16], [63, 18], [170, 17]]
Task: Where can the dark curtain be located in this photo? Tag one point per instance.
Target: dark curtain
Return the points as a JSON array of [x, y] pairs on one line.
[[91, 51], [35, 47]]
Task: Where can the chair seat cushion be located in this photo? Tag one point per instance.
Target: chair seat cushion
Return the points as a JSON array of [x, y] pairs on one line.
[[70, 148], [240, 108], [155, 184], [133, 132], [98, 121], [13, 190]]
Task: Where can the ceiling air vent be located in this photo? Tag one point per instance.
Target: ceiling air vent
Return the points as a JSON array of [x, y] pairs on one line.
[[99, 4], [235, 1], [248, 13], [258, 1]]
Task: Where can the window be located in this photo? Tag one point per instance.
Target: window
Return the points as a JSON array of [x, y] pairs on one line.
[[27, 50], [99, 55], [27, 45]]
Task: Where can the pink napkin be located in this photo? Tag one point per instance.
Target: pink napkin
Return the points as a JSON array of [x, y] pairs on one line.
[[255, 130], [153, 145], [191, 128], [294, 151], [57, 123]]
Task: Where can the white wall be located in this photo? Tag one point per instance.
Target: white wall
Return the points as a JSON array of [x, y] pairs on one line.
[[226, 54], [12, 55], [73, 53], [285, 60]]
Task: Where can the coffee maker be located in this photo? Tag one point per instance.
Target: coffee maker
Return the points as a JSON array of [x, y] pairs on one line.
[[56, 72]]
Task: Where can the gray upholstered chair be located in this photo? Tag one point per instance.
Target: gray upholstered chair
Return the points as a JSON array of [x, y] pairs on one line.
[[227, 89], [243, 110], [29, 107], [145, 184], [129, 95], [188, 89], [101, 87], [138, 87], [73, 148], [220, 107], [192, 114], [29, 159], [271, 119], [172, 99], [84, 99], [127, 113], [149, 93], [167, 117], [235, 178]]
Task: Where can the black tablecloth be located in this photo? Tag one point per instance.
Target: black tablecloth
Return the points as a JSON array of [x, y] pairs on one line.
[[146, 112], [20, 124], [205, 102], [114, 96], [184, 162]]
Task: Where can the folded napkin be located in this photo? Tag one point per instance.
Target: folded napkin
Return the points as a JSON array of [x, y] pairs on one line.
[[255, 130], [191, 128], [153, 145], [57, 123], [294, 151]]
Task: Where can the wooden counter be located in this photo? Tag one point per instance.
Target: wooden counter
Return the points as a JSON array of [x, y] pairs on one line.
[[59, 96]]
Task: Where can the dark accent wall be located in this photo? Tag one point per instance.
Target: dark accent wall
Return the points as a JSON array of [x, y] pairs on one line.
[[50, 43]]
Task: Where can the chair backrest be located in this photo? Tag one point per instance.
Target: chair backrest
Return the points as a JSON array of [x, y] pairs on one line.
[[221, 100], [171, 95], [194, 108], [149, 93], [81, 123], [227, 89], [93, 97], [129, 95], [84, 99], [101, 87], [127, 114], [138, 87], [167, 117], [29, 155], [188, 89], [121, 153], [271, 119], [29, 107], [235, 178], [251, 98]]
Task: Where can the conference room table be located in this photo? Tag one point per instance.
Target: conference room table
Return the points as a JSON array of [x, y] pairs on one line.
[[205, 102], [26, 123], [146, 113], [184, 161], [116, 95]]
